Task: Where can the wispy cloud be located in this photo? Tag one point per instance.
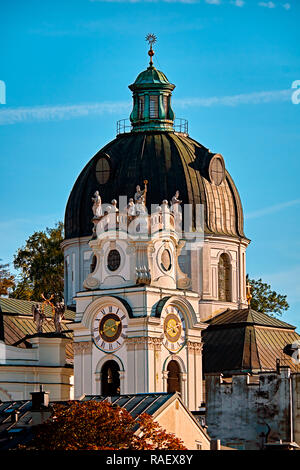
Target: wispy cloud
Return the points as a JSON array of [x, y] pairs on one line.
[[236, 100], [267, 4], [238, 3], [63, 112], [59, 112], [272, 209]]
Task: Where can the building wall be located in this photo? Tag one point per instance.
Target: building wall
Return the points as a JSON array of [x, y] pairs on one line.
[[22, 371], [175, 419], [247, 414], [296, 406]]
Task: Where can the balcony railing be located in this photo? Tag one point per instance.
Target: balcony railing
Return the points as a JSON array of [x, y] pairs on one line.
[[180, 125]]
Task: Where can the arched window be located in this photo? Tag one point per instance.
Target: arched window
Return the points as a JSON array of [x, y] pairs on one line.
[[110, 379], [93, 264], [113, 260], [166, 105], [224, 274], [141, 106], [173, 384], [102, 170]]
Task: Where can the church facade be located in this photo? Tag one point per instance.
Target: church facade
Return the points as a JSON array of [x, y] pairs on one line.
[[154, 246]]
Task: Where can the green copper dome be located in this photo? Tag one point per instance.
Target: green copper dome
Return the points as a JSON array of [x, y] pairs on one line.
[[150, 76]]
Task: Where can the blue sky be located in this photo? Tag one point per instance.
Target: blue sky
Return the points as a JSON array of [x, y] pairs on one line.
[[67, 65]]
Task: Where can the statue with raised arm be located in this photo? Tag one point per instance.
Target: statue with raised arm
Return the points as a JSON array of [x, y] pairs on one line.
[[38, 317], [97, 208], [59, 310], [139, 195]]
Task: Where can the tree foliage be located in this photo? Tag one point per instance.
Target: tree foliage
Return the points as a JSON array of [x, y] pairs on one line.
[[266, 300], [41, 264], [7, 280], [95, 425]]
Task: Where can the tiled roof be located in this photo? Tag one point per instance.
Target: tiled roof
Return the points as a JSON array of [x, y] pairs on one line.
[[247, 341]]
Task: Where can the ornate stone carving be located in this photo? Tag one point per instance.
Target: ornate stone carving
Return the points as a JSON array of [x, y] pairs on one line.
[[147, 342], [82, 347], [91, 283], [195, 347]]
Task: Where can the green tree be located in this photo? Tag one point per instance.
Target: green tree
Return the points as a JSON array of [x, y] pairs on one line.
[[266, 300], [41, 265], [7, 280]]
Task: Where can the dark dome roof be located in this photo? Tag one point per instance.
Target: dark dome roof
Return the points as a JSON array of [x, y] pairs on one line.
[[169, 161]]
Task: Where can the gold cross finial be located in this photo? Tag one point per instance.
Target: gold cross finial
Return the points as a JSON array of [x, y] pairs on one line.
[[151, 39], [248, 293]]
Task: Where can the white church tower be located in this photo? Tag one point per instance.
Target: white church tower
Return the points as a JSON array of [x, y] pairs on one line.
[[145, 267]]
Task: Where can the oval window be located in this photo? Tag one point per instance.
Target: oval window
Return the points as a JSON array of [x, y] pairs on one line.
[[166, 260], [216, 170], [113, 260], [102, 170]]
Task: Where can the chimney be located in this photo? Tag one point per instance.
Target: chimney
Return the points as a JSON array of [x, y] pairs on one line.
[[40, 409], [39, 400], [14, 416]]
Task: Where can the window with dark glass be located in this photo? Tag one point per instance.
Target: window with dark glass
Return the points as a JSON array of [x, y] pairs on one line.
[[141, 107], [224, 283], [153, 110], [173, 384], [113, 260], [110, 379], [102, 170], [165, 100]]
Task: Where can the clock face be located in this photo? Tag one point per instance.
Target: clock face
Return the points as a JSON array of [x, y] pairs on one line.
[[109, 328], [174, 328]]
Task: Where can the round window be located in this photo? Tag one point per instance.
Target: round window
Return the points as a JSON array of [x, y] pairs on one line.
[[166, 260], [113, 260], [216, 170], [102, 170]]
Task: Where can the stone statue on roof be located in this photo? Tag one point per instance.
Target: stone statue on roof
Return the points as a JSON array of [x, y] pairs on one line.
[[139, 195], [97, 204], [175, 203], [38, 317], [59, 310]]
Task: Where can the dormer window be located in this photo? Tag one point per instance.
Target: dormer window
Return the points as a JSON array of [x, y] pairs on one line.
[[153, 110], [141, 106]]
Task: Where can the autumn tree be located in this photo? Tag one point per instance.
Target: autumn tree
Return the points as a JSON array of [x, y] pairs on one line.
[[41, 266], [266, 300], [7, 280], [96, 425]]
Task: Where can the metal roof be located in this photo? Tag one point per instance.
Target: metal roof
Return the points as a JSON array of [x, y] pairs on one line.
[[23, 307], [247, 341], [17, 324], [135, 404], [170, 162]]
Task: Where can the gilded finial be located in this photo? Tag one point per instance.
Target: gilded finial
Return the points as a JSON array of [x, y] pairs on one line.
[[248, 293], [151, 39]]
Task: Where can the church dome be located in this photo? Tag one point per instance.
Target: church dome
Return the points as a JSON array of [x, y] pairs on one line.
[[150, 76], [170, 161], [167, 159]]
